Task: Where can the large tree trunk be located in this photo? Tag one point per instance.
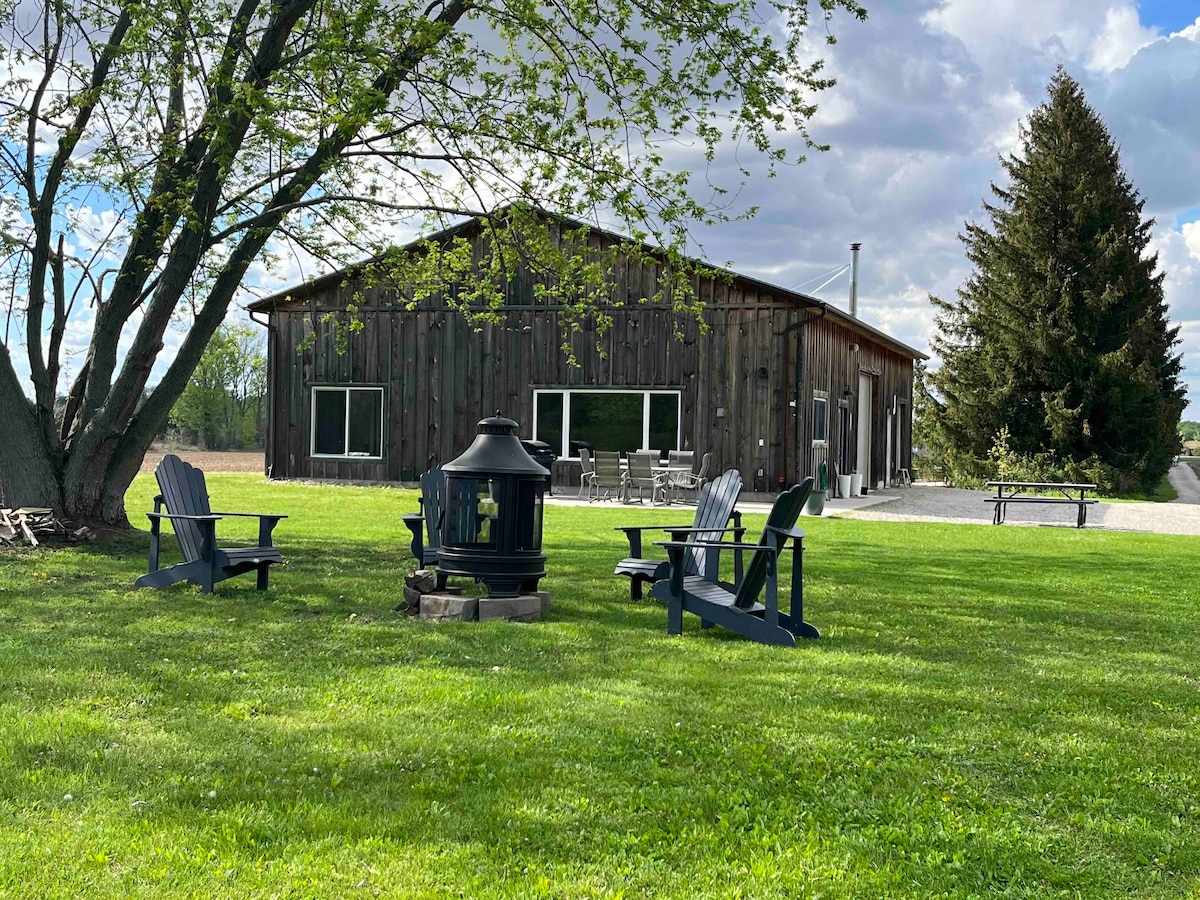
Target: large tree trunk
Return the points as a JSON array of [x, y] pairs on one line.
[[27, 472], [30, 475]]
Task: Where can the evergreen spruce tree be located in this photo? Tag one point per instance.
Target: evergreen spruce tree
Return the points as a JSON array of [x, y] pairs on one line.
[[1058, 358]]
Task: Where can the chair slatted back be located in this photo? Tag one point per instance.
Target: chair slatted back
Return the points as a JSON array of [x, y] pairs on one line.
[[185, 494], [681, 459], [433, 505], [608, 469], [783, 514], [713, 510], [641, 467], [585, 460], [705, 465]]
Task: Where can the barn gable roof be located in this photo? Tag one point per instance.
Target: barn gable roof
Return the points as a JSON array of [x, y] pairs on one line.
[[298, 293]]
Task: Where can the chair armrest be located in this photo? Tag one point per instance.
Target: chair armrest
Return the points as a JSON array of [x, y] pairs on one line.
[[251, 515], [629, 528], [697, 528], [211, 517], [793, 532], [717, 545]]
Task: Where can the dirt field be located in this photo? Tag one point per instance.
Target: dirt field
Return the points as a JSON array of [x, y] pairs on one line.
[[229, 461]]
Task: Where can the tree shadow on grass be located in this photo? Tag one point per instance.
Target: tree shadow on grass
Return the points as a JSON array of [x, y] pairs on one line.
[[986, 675]]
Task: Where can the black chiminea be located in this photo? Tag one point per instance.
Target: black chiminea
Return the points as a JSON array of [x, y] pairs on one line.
[[492, 525]]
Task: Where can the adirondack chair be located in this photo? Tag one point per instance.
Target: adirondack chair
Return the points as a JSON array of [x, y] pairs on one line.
[[737, 606], [426, 526], [714, 510], [185, 497]]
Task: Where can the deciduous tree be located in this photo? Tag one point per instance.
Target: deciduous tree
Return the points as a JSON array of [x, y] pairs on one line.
[[151, 152]]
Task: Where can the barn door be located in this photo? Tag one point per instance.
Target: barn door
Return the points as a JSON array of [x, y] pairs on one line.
[[866, 386]]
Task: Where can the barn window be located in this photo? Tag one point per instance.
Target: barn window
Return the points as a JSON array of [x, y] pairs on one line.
[[621, 420], [347, 422], [820, 417]]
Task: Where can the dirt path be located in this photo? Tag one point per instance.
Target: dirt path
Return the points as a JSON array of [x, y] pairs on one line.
[[1187, 485], [211, 461]]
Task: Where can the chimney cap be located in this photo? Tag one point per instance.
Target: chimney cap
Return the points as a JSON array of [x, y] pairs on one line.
[[855, 246]]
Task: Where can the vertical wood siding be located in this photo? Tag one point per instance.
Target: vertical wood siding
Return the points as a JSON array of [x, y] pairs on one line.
[[441, 375]]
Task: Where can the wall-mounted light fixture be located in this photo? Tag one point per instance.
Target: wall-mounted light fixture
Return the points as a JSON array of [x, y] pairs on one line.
[[761, 373], [854, 348]]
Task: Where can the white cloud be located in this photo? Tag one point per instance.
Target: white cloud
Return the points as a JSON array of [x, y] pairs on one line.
[[1192, 32], [1122, 37], [1191, 238]]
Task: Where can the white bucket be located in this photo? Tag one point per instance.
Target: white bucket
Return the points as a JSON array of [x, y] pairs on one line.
[[856, 484], [843, 485]]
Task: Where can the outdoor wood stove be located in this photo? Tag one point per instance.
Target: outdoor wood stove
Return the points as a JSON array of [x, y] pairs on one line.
[[492, 524]]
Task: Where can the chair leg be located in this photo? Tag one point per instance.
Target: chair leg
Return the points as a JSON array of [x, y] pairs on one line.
[[635, 589], [675, 616], [263, 575]]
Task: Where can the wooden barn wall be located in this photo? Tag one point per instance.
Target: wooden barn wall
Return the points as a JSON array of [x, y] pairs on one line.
[[440, 376]]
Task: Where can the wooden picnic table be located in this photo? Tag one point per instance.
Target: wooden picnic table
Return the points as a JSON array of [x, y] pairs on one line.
[[1019, 492]]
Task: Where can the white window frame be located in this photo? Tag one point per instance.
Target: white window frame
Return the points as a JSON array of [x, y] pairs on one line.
[[564, 450], [312, 415], [823, 396]]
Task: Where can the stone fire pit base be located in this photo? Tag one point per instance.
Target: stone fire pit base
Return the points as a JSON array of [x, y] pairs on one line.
[[449, 605]]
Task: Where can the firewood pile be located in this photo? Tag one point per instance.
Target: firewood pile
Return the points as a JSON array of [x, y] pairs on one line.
[[29, 525]]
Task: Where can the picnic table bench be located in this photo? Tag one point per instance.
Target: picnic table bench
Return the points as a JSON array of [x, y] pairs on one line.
[[1018, 492]]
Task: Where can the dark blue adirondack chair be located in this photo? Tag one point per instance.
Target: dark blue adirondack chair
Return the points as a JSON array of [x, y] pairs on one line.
[[185, 496], [737, 607], [714, 510], [426, 526]]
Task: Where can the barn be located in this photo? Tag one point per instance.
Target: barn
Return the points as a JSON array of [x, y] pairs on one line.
[[777, 382]]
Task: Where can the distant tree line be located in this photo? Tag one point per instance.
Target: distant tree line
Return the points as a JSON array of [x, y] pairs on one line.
[[1058, 361], [1189, 431], [224, 405]]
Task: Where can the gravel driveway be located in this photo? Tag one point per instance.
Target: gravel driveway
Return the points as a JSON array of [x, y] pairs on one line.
[[935, 503], [1184, 480]]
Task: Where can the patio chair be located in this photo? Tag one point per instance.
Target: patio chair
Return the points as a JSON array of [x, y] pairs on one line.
[[641, 475], [681, 459], [714, 511], [588, 472], [185, 496], [426, 526], [607, 476], [679, 463], [737, 606], [688, 481]]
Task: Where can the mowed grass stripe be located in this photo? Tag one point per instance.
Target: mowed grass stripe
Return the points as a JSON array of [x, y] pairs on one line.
[[990, 711]]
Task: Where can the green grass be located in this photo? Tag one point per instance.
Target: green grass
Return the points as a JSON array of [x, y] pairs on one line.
[[1164, 493], [991, 711]]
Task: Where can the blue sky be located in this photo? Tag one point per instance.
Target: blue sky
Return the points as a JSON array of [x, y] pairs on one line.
[[1169, 15], [929, 96]]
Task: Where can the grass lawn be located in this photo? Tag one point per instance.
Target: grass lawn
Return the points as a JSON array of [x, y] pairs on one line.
[[991, 711], [1164, 493]]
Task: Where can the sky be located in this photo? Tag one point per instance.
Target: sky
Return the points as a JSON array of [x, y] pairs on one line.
[[930, 94]]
